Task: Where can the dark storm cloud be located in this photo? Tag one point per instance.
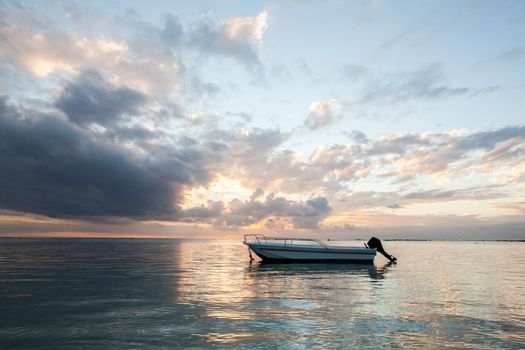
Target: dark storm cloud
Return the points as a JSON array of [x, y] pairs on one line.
[[56, 169], [136, 133], [52, 168], [90, 99], [186, 165]]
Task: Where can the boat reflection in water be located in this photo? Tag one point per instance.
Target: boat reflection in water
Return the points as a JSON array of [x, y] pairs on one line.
[[261, 268]]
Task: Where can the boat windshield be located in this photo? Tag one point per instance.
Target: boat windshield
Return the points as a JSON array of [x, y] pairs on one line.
[[260, 238]]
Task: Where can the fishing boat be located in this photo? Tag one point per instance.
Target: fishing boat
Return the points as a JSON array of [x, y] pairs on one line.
[[293, 249]]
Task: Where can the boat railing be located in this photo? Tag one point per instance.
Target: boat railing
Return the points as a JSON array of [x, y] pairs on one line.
[[260, 238]]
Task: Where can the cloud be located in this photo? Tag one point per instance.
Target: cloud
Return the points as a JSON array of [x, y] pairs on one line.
[[54, 169], [485, 90], [323, 113], [250, 29], [62, 50], [325, 171], [127, 49], [189, 164], [259, 209], [446, 150], [249, 147], [122, 119], [428, 154], [518, 207], [200, 214], [424, 29], [424, 83], [398, 144], [397, 158], [172, 33], [90, 99], [357, 136], [259, 192], [236, 37], [354, 72], [368, 199], [487, 139], [132, 133], [244, 152], [201, 89], [58, 49], [470, 193], [511, 56]]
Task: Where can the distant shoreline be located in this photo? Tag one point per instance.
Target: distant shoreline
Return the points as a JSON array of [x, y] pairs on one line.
[[452, 240], [330, 240]]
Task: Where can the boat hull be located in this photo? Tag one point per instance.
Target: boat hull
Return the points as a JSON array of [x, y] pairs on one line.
[[294, 253]]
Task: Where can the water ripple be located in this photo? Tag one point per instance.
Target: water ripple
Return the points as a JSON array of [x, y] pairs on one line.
[[157, 294]]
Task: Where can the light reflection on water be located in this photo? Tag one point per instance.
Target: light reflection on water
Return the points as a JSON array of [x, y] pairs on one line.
[[122, 294]]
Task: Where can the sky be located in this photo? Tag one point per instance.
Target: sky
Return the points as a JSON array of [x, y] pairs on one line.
[[333, 119]]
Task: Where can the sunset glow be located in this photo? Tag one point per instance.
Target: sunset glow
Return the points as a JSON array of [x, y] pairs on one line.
[[335, 119]]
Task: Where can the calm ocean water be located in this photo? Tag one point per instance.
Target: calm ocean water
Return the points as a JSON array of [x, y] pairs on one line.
[[201, 294]]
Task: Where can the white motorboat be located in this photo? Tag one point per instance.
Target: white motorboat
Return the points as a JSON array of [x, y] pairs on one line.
[[283, 249]]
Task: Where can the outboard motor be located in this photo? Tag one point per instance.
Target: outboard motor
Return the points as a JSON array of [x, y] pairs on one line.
[[376, 243]]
